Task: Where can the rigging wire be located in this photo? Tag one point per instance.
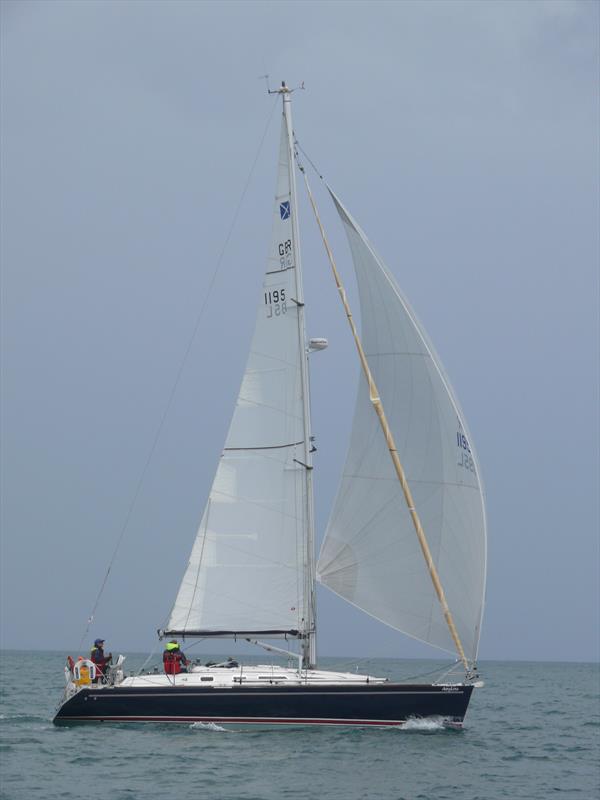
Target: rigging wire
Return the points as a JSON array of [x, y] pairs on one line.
[[141, 669], [308, 158], [177, 378], [443, 670]]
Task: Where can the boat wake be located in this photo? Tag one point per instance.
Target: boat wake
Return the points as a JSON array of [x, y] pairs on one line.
[[423, 725], [208, 726]]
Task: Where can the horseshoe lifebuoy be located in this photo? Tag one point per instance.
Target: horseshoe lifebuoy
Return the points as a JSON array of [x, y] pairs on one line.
[[84, 671]]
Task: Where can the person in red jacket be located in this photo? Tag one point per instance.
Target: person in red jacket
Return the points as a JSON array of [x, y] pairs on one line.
[[100, 660], [174, 661]]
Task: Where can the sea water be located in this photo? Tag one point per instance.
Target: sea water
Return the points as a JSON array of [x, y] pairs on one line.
[[532, 732]]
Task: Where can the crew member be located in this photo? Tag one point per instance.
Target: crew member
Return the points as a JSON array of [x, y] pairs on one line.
[[100, 660], [174, 661]]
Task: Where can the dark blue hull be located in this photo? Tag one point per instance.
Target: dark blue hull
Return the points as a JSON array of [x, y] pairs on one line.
[[376, 704]]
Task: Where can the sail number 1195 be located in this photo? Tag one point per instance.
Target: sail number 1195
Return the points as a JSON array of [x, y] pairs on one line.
[[275, 303]]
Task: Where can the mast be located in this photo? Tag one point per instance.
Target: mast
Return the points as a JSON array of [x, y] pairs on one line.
[[309, 649], [252, 570]]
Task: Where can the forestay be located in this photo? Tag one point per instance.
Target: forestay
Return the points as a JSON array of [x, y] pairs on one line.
[[370, 554], [246, 570]]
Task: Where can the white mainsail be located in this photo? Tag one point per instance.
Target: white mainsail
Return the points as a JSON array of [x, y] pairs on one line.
[[247, 570], [370, 554]]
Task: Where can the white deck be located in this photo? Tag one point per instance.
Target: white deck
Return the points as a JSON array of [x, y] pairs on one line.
[[262, 674]]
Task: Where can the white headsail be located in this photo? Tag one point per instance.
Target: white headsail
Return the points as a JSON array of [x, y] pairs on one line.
[[246, 573], [370, 554]]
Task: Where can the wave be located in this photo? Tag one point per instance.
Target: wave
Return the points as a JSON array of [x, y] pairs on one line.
[[22, 718]]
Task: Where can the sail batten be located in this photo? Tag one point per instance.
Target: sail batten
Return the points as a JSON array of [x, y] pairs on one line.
[[370, 555]]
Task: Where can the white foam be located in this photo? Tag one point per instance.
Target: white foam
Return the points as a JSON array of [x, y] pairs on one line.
[[207, 726], [424, 724]]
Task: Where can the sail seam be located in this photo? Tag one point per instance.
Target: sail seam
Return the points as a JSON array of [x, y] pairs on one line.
[[270, 357], [397, 353], [277, 271], [266, 447], [389, 624], [382, 508], [274, 457], [257, 404], [410, 480], [250, 502]]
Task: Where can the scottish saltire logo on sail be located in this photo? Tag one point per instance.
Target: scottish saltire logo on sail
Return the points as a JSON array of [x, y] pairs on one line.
[[284, 210]]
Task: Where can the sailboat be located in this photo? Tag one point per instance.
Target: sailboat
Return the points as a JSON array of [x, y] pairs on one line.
[[405, 542]]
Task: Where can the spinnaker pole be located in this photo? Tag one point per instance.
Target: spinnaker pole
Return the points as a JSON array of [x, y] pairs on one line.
[[379, 410]]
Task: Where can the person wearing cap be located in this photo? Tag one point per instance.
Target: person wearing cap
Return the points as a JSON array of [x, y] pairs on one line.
[[174, 661], [100, 660]]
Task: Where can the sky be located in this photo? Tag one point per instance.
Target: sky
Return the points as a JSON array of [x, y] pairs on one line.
[[464, 138]]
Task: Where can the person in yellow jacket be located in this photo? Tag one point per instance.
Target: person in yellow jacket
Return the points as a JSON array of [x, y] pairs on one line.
[[174, 661]]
